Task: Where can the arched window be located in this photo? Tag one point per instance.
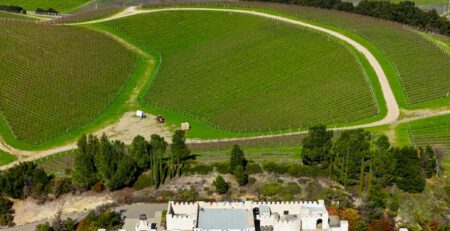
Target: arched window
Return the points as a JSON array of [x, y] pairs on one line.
[[319, 224]]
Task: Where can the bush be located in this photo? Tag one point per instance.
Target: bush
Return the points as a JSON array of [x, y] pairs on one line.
[[143, 181], [272, 167], [6, 211], [61, 186], [98, 187], [14, 180], [254, 168], [271, 189], [107, 219], [276, 190], [221, 185], [196, 168], [187, 195], [293, 169], [221, 167], [251, 180]]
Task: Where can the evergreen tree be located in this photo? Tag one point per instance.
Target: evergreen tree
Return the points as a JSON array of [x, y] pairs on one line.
[[140, 151], [158, 145], [237, 158], [408, 172], [125, 174], [220, 184], [382, 143], [376, 197], [84, 172], [179, 151], [317, 145], [361, 176], [241, 176], [349, 151], [383, 167], [428, 161]]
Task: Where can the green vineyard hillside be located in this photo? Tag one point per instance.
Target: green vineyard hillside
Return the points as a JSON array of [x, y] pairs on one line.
[[56, 78], [419, 69], [244, 73], [434, 132]]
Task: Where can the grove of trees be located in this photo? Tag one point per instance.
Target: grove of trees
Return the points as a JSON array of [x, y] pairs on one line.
[[13, 9], [358, 157], [114, 165]]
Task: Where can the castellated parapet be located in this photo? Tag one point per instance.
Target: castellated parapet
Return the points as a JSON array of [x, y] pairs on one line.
[[242, 216]]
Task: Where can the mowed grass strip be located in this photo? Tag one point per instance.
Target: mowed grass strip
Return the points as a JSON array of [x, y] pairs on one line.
[[6, 158], [59, 5], [423, 68], [245, 73], [56, 78]]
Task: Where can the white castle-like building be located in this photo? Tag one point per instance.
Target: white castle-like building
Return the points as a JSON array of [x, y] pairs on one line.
[[251, 216]]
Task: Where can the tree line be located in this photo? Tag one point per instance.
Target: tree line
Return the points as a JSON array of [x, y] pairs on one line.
[[94, 220], [405, 12], [358, 157], [13, 9], [368, 164], [48, 11], [21, 10], [100, 162]]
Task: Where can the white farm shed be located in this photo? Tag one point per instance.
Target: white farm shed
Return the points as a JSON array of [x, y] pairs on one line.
[[140, 114]]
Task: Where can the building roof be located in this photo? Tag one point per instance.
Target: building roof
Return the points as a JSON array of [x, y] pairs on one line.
[[225, 218]]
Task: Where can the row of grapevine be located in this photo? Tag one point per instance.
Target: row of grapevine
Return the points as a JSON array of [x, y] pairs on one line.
[[54, 79], [244, 73], [422, 67], [434, 132]]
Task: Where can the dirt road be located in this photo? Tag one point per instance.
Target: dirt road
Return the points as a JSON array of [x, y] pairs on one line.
[[392, 115]]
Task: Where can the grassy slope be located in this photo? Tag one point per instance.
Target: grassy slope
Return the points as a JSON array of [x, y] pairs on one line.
[[62, 94], [59, 5], [6, 158], [245, 92]]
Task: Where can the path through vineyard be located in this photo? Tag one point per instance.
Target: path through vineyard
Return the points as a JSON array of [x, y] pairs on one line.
[[125, 129]]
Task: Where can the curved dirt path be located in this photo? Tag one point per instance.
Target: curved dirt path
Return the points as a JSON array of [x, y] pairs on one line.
[[393, 110]]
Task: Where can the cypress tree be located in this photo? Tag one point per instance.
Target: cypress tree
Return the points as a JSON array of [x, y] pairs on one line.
[[84, 173], [237, 158]]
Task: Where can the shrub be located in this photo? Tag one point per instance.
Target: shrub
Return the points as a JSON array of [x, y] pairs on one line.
[[98, 187], [254, 168], [6, 211], [276, 190], [143, 181], [196, 168], [272, 167], [221, 167], [221, 185], [187, 195], [61, 186], [241, 176], [270, 189]]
